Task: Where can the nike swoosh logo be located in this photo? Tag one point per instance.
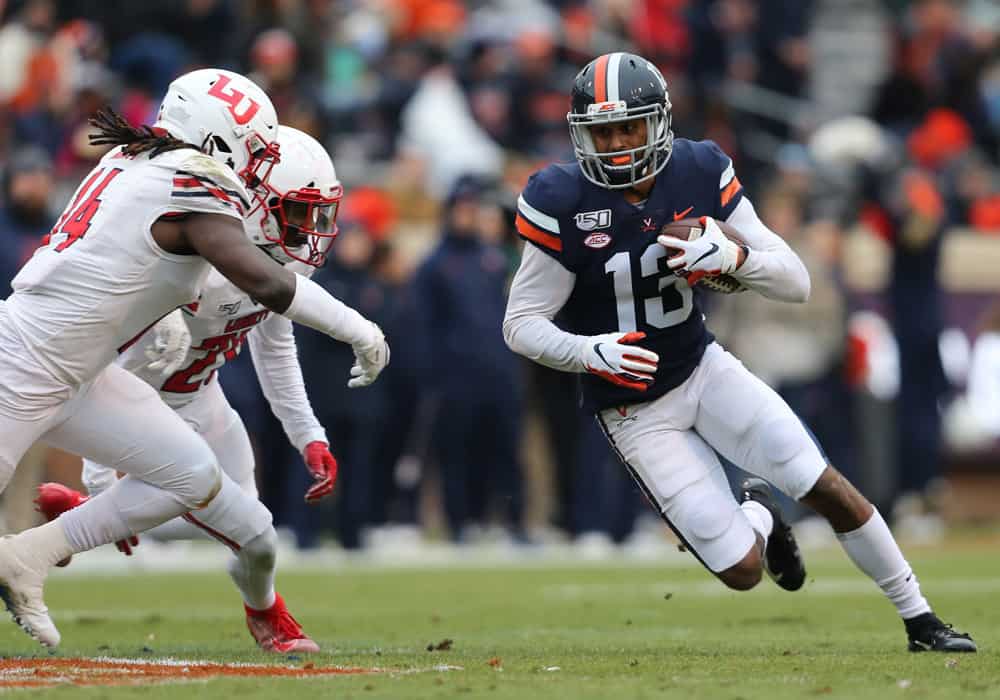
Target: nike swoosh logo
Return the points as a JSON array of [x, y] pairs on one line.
[[678, 217], [597, 351], [712, 251]]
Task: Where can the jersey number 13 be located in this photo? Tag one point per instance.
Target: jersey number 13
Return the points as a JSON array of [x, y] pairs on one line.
[[669, 307]]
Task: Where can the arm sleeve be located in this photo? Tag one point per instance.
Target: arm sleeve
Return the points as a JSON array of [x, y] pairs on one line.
[[203, 185], [539, 290], [313, 306], [276, 361], [771, 268]]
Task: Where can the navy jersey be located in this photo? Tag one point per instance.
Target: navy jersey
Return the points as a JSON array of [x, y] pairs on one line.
[[622, 279]]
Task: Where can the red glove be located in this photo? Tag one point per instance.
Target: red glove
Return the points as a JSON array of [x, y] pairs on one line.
[[125, 546], [323, 467]]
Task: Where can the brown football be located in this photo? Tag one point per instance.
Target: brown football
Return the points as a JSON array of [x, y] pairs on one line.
[[690, 229]]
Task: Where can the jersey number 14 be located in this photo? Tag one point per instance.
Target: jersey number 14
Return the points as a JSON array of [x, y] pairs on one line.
[[669, 307], [75, 221]]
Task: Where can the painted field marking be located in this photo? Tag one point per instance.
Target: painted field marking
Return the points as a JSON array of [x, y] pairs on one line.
[[103, 671]]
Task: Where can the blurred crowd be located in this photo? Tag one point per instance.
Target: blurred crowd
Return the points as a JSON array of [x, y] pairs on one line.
[[880, 115]]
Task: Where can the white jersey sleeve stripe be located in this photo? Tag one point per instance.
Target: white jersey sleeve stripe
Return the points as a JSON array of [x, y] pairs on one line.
[[542, 221], [727, 176]]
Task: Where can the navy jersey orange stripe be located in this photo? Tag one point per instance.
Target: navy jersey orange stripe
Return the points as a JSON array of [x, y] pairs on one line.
[[537, 235], [601, 79], [730, 191]]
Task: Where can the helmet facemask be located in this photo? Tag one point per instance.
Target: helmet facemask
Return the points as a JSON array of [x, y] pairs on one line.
[[262, 156], [300, 224], [626, 168]]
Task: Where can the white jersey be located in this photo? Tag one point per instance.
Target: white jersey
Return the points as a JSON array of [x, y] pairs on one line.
[[99, 279], [221, 320]]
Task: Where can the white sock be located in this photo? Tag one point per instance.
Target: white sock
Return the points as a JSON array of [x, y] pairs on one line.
[[873, 550], [128, 507], [47, 543], [252, 570], [760, 518]]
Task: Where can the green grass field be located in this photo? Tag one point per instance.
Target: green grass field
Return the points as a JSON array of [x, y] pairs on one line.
[[601, 631]]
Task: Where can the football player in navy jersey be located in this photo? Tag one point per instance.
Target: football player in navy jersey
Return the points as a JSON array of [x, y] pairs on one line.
[[668, 396]]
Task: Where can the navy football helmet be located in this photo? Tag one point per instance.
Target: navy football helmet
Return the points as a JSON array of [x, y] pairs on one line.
[[618, 87]]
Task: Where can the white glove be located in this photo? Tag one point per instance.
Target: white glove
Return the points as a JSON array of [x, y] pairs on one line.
[[711, 253], [614, 358], [171, 342], [370, 358]]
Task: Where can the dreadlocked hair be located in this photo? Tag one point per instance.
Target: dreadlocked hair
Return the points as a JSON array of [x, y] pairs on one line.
[[114, 130]]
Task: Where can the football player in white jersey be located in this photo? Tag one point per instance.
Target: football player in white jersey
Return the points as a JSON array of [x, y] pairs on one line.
[[137, 241], [180, 356]]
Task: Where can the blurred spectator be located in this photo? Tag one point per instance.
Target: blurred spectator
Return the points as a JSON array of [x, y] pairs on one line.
[[274, 59], [439, 132], [353, 418], [538, 91], [798, 348], [25, 215], [459, 292], [906, 207], [29, 71]]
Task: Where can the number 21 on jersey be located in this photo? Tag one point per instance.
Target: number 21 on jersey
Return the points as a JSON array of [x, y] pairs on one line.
[[671, 304], [75, 220]]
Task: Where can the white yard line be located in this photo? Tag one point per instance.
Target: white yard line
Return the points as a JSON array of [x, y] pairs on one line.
[[855, 585]]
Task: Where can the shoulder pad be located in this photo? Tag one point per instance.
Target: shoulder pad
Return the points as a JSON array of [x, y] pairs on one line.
[[550, 195], [201, 165], [555, 189], [711, 160], [707, 155], [202, 184]]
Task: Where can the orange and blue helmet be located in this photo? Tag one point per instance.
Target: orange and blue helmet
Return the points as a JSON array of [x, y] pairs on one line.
[[619, 87]]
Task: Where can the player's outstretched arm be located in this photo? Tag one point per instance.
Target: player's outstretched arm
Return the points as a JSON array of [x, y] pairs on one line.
[[539, 290], [771, 268], [221, 241], [276, 361]]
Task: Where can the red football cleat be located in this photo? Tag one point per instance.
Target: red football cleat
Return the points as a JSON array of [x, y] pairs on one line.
[[277, 631], [53, 500]]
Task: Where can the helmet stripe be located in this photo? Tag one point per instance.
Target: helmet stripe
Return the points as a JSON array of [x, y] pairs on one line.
[[601, 79], [613, 64]]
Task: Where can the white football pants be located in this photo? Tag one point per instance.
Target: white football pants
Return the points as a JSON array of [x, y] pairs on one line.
[[667, 445], [235, 516], [119, 420]]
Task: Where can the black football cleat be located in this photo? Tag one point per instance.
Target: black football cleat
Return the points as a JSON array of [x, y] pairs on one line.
[[782, 558], [927, 633]]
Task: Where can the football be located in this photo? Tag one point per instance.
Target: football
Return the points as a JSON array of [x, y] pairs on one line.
[[690, 229]]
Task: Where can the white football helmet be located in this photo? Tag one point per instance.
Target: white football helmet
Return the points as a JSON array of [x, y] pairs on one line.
[[297, 217], [227, 116]]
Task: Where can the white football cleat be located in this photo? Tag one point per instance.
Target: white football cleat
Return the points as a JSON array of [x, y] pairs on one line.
[[21, 591]]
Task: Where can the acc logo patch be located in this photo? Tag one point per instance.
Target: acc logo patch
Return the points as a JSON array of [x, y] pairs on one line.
[[591, 220], [597, 240]]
